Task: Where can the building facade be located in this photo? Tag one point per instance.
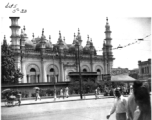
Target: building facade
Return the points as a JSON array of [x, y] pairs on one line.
[[144, 69], [40, 61]]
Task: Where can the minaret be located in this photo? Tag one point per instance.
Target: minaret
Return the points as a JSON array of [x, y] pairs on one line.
[[91, 54], [108, 49], [74, 41], [79, 37], [4, 41], [15, 37], [42, 47], [23, 37]]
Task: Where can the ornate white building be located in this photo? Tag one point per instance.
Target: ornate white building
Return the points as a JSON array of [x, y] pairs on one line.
[[39, 59]]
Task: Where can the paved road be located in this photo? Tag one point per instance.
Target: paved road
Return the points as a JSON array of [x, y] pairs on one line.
[[72, 110]]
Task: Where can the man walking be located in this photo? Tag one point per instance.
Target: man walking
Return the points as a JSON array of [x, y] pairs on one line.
[[19, 98], [120, 106], [37, 95]]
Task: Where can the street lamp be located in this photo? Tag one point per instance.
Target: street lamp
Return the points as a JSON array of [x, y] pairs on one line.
[[54, 77], [80, 81]]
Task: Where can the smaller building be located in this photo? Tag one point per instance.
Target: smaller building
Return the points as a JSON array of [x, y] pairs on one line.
[[144, 69]]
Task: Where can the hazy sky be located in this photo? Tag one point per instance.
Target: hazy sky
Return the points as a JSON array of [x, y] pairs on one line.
[[127, 23]]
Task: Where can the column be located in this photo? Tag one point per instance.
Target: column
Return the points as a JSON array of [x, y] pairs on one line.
[[36, 78], [48, 78], [28, 78]]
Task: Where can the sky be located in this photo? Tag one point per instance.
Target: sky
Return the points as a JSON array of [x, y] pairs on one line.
[[128, 22]]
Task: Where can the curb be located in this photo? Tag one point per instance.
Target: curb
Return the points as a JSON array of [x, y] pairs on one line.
[[63, 101]]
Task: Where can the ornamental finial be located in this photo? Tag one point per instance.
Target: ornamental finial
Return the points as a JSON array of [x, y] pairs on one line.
[[59, 33], [78, 31], [107, 19], [88, 37], [43, 31], [24, 28], [33, 35]]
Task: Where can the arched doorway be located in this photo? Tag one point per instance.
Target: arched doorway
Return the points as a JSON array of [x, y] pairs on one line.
[[99, 74], [52, 74], [33, 74]]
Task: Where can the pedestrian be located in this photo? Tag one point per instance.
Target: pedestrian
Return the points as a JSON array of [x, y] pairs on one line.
[[37, 95], [19, 98], [131, 107], [96, 93], [120, 106], [66, 92], [131, 89], [142, 98], [61, 93]]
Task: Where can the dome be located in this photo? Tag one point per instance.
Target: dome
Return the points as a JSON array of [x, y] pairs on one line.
[[88, 44], [29, 44], [48, 45]]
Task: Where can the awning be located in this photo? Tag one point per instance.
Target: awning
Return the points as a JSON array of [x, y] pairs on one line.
[[122, 78], [83, 74]]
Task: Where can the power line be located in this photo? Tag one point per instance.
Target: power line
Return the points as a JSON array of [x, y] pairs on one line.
[[137, 41]]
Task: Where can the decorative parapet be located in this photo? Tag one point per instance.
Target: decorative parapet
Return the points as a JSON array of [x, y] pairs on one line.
[[68, 64]]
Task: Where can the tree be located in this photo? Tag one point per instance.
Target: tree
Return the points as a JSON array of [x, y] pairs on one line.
[[10, 74]]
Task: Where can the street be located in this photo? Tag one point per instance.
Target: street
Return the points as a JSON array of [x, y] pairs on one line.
[[73, 110]]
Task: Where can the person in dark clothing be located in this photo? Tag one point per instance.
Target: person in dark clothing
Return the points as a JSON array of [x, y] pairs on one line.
[[131, 107], [142, 98], [19, 98]]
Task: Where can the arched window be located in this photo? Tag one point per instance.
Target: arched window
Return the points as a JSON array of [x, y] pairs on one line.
[[32, 70], [84, 70], [51, 70]]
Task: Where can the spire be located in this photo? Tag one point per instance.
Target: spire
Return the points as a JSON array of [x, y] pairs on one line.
[[78, 31], [74, 39], [107, 24], [24, 28], [88, 37], [33, 35], [91, 42], [43, 32], [4, 41], [4, 37], [78, 36], [107, 19], [59, 34], [74, 36]]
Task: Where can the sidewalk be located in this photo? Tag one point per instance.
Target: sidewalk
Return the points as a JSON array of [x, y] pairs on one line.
[[51, 100]]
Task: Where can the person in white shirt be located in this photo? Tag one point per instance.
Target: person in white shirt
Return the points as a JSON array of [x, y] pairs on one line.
[[120, 106]]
